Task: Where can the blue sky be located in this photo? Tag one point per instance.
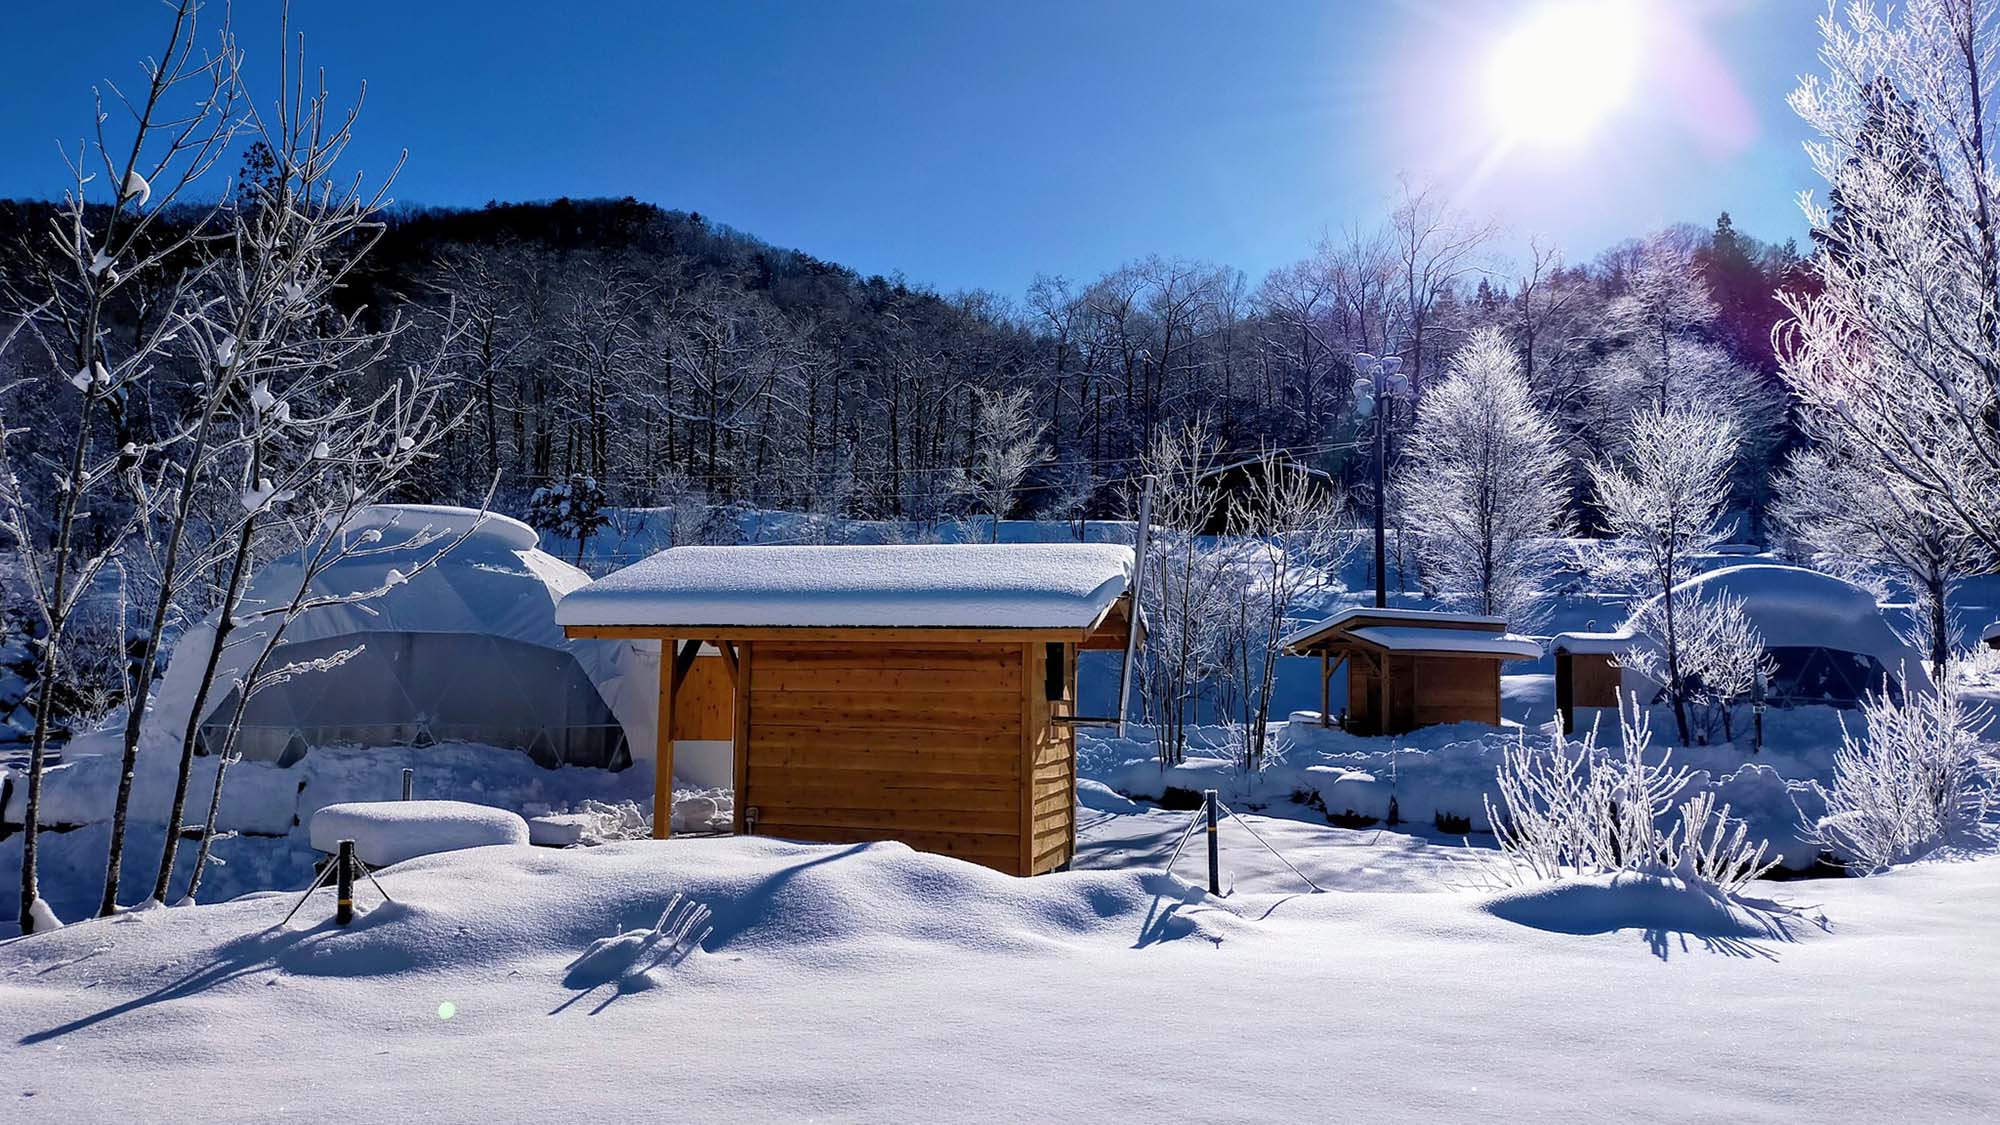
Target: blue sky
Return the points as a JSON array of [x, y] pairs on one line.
[[974, 145]]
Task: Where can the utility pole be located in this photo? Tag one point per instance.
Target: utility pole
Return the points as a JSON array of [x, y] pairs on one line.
[[1378, 382]]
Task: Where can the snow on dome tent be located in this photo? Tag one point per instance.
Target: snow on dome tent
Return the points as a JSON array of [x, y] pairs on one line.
[[925, 694], [465, 650], [1828, 639]]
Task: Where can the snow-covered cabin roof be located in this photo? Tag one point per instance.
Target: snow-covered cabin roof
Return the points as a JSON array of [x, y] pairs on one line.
[[1418, 630], [996, 586], [1413, 638], [1791, 606]]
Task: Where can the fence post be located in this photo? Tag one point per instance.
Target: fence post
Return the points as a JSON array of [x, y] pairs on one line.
[[1214, 860], [343, 909], [409, 782]]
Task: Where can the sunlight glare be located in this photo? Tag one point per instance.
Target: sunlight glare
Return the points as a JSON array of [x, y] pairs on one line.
[[1557, 76]]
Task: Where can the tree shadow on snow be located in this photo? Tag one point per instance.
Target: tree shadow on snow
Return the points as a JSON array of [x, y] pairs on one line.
[[303, 951]]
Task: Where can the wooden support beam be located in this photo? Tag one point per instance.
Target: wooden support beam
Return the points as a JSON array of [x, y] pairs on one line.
[[728, 658], [673, 670], [1382, 694], [1325, 691], [740, 752]]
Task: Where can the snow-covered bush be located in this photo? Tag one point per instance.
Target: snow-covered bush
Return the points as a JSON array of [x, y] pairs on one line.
[[1577, 809], [1919, 777]]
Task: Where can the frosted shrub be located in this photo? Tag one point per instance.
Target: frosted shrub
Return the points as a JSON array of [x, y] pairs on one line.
[[1918, 777], [1575, 808]]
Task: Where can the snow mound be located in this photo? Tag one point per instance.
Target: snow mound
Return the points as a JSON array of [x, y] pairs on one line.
[[1632, 900], [388, 832], [580, 915]]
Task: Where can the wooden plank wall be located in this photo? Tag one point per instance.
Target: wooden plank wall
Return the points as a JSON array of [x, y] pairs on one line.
[[703, 711], [1456, 690], [855, 742], [1424, 690], [1594, 679]]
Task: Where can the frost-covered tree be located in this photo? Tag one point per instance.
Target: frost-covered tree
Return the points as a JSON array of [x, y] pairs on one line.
[[1485, 484], [1293, 543], [301, 387], [1664, 298], [1895, 355], [1006, 444], [1849, 520], [1186, 585], [1918, 775], [1663, 501], [107, 240], [1722, 656]]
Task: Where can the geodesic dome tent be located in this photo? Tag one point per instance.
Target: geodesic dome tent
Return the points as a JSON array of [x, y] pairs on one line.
[[464, 650], [1828, 641]]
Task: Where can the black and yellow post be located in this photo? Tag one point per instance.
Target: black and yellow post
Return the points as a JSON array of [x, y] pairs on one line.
[[1214, 859], [343, 909]]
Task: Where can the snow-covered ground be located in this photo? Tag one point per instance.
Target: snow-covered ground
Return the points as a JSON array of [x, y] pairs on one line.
[[872, 982]]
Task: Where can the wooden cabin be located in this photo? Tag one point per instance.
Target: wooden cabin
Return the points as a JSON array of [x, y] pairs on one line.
[[925, 694], [1588, 675], [1410, 668]]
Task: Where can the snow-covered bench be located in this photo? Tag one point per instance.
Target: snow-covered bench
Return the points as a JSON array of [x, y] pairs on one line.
[[386, 832]]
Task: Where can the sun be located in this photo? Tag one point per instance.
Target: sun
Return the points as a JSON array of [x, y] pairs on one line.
[[1556, 77]]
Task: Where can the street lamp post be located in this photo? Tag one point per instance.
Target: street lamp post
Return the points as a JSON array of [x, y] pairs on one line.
[[1378, 382]]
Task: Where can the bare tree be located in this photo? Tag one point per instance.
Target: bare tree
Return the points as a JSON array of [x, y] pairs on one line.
[[94, 252], [1007, 442], [293, 359], [1663, 501], [1294, 542], [1435, 247]]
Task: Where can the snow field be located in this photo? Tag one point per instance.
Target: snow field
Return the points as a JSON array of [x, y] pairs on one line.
[[871, 982]]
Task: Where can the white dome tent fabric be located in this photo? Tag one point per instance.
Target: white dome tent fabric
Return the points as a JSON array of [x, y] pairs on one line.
[[465, 650], [1828, 640]]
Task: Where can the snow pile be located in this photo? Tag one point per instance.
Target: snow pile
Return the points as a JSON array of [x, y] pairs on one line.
[[1015, 586], [1657, 902], [388, 832]]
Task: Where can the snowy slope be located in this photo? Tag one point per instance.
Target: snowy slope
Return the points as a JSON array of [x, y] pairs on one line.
[[872, 983]]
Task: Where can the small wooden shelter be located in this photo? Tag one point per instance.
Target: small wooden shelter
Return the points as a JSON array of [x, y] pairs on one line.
[[925, 694], [1409, 668]]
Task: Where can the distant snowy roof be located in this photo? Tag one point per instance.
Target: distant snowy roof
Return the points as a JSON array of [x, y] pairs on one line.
[[998, 586], [1471, 625], [1415, 638]]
